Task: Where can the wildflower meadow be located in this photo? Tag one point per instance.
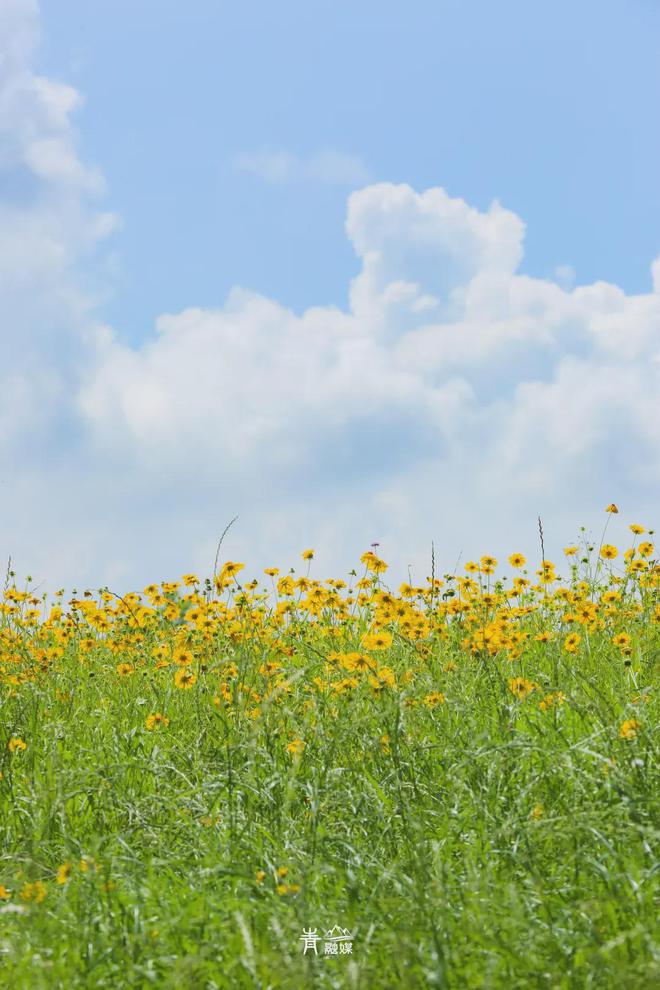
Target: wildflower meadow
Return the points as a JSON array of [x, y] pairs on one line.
[[298, 781]]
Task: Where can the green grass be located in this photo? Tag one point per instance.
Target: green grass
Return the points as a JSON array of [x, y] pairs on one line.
[[487, 843]]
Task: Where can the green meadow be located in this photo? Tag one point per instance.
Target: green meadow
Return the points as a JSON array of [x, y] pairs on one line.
[[451, 785]]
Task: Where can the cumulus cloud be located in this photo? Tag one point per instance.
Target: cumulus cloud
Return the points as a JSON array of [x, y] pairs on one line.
[[454, 400], [328, 166]]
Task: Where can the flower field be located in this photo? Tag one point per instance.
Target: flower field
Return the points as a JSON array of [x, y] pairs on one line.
[[460, 775]]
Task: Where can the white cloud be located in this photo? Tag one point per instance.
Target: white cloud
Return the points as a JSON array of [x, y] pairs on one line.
[[48, 225], [328, 166], [455, 400], [421, 252]]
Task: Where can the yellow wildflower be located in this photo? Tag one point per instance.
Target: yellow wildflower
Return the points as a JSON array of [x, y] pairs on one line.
[[629, 729], [521, 687], [156, 721], [184, 679], [377, 641], [63, 873]]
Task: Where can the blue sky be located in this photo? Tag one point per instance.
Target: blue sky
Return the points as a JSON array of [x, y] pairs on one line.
[[549, 107], [354, 272]]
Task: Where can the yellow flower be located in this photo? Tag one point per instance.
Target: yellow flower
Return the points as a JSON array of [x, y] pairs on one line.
[[287, 888], [230, 568], [63, 873], [608, 552], [307, 555], [622, 640], [384, 678], [259, 876], [637, 530], [157, 720], [629, 729], [611, 508], [285, 585], [537, 812], [373, 563], [282, 871], [184, 679], [646, 549], [554, 698], [517, 560], [4, 893], [377, 641], [15, 743], [520, 687], [572, 642], [570, 551], [547, 572], [33, 892], [296, 746], [433, 699], [124, 669]]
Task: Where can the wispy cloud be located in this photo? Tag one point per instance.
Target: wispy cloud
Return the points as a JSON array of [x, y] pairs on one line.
[[328, 166]]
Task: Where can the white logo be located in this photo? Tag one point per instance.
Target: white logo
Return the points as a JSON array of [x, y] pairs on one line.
[[337, 941]]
